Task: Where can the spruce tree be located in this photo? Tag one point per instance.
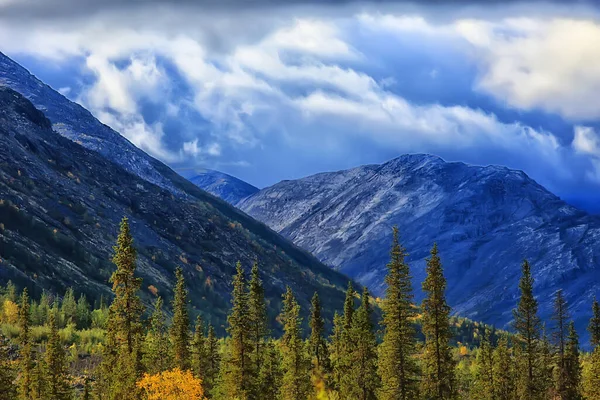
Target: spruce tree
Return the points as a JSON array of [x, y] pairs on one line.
[[69, 307], [296, 379], [26, 362], [484, 374], [156, 343], [347, 345], [546, 379], [559, 336], [270, 374], [572, 366], [180, 325], [57, 384], [397, 366], [38, 378], [439, 381], [594, 327], [528, 327], [121, 358], [83, 313], [504, 371], [257, 313], [318, 345], [213, 360], [199, 356], [591, 376], [336, 351], [363, 365], [236, 381]]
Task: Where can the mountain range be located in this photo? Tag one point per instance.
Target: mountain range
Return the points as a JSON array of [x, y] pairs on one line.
[[224, 186], [66, 180], [485, 220]]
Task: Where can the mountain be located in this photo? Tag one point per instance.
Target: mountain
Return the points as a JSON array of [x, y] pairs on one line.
[[226, 187], [485, 220], [66, 181]]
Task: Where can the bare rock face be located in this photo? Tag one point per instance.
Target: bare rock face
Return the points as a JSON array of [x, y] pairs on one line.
[[485, 220], [66, 180]]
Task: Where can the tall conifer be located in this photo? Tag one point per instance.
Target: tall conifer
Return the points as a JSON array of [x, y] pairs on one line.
[[528, 327], [397, 366], [156, 343], [296, 366], [559, 335], [317, 342], [213, 360], [57, 384], [439, 381], [594, 327], [180, 325], [26, 363], [572, 366], [199, 357], [257, 313], [484, 374], [504, 371]]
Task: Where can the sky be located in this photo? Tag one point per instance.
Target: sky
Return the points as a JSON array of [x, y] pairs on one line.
[[267, 90]]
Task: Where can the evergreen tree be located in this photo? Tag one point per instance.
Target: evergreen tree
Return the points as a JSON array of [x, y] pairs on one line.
[[594, 327], [69, 307], [560, 334], [336, 351], [296, 379], [439, 381], [236, 374], [347, 345], [57, 384], [180, 325], [546, 379], [528, 327], [259, 327], [363, 366], [8, 390], [156, 342], [213, 360], [572, 366], [317, 342], [199, 356], [504, 371], [270, 375], [84, 317], [38, 381], [43, 309], [121, 363], [397, 366], [26, 364], [484, 374]]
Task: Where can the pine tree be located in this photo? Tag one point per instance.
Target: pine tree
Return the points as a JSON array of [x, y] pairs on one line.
[[8, 390], [559, 335], [26, 362], [504, 371], [38, 378], [259, 327], [347, 346], [594, 327], [528, 327], [546, 364], [572, 380], [363, 366], [236, 374], [121, 363], [199, 357], [439, 381], [180, 325], [296, 379], [397, 366], [336, 351], [484, 374], [270, 374], [83, 313], [318, 345], [156, 343], [57, 384], [213, 360], [69, 307]]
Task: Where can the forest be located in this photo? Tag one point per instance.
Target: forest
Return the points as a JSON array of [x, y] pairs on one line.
[[59, 348]]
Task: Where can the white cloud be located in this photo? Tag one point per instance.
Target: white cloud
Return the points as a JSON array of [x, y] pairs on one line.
[[586, 141]]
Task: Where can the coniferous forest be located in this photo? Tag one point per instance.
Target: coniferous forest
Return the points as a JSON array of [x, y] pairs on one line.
[[62, 347]]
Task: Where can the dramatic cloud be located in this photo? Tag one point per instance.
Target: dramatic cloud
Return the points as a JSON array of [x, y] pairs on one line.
[[270, 93]]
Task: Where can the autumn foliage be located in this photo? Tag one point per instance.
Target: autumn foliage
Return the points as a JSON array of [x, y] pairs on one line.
[[171, 385]]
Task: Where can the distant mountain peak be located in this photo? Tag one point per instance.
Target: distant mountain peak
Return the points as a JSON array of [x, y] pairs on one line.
[[222, 185]]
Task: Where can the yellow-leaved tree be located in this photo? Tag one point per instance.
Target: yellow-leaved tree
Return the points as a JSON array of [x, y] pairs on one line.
[[171, 385]]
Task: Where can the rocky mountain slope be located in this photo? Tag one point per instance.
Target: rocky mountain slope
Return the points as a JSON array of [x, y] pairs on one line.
[[66, 180], [227, 187], [486, 220]]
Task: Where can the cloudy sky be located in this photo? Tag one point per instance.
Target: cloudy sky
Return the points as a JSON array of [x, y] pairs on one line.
[[267, 92]]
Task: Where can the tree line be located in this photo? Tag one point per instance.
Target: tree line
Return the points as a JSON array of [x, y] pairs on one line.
[[174, 358]]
